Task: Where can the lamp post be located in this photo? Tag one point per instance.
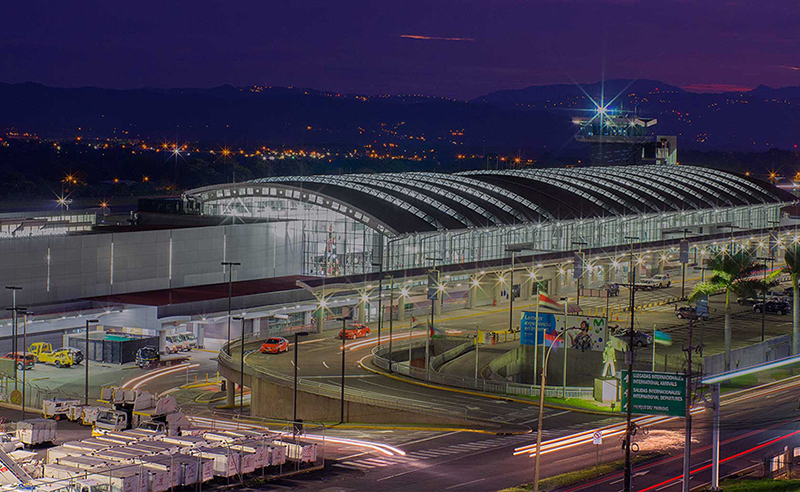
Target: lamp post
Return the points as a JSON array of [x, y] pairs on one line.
[[344, 338], [230, 265], [86, 368], [514, 250], [391, 318], [241, 367], [433, 297], [24, 314], [297, 334], [13, 310], [580, 244], [628, 414], [541, 407], [764, 294]]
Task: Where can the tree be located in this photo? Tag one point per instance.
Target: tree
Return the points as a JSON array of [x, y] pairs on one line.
[[733, 274], [792, 257]]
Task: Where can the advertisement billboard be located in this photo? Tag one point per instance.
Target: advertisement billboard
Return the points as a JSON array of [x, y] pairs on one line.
[[584, 332]]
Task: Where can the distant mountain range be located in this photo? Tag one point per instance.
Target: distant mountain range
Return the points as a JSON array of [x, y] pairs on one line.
[[537, 117]]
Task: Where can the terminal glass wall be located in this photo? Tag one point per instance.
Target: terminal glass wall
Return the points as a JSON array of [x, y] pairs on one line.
[[335, 244]]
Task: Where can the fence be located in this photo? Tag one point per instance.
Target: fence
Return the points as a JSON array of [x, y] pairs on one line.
[[772, 349]]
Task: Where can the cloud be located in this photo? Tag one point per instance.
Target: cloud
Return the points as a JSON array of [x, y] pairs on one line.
[[789, 67], [434, 38]]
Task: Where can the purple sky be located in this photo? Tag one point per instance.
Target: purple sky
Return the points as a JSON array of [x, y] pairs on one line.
[[359, 46]]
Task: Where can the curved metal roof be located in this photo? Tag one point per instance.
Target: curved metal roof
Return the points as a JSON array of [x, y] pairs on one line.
[[421, 202]]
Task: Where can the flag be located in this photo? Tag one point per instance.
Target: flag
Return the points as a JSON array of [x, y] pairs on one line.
[[662, 338], [549, 300]]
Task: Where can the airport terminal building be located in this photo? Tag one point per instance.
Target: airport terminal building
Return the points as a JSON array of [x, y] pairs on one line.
[[167, 274]]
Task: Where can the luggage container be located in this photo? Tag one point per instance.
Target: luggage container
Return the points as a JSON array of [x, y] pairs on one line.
[[167, 464], [62, 472], [302, 453], [87, 446], [254, 454], [185, 441], [117, 438], [36, 431], [47, 485], [226, 461], [120, 455], [188, 468], [276, 455], [122, 479], [155, 447], [206, 465], [87, 463], [158, 478], [58, 452]]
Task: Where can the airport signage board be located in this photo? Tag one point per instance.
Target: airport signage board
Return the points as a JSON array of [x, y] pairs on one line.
[[655, 393], [433, 285], [684, 252]]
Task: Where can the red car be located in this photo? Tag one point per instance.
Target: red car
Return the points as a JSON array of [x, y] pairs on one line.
[[356, 330], [29, 360], [275, 345]]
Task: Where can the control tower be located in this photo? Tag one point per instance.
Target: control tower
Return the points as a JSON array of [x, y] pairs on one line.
[[622, 139]]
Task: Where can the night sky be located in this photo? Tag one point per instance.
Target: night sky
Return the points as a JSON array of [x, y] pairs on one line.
[[451, 48]]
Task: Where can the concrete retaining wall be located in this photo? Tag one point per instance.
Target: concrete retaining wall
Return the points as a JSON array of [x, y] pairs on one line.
[[768, 350]]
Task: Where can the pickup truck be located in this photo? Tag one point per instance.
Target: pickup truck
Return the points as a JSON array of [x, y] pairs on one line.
[[46, 355], [23, 362]]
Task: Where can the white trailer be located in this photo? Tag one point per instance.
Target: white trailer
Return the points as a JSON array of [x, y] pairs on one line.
[[206, 464], [117, 438], [167, 464], [124, 479], [36, 431], [87, 446], [158, 478], [84, 462], [155, 447], [226, 461], [58, 407], [88, 414]]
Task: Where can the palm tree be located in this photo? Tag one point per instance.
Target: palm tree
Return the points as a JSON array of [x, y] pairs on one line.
[[792, 257], [732, 274]]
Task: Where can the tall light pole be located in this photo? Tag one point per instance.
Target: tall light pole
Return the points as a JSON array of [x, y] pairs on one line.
[[391, 318], [86, 366], [241, 367], [514, 250], [13, 310], [541, 406], [25, 314], [433, 297], [297, 334], [230, 265], [628, 414], [344, 338], [380, 296], [579, 256]]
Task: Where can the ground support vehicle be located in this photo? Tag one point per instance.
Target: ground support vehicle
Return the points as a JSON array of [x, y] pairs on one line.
[[56, 408], [689, 312], [46, 355], [33, 432]]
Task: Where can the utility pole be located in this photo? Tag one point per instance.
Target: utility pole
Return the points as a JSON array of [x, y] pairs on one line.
[[25, 314], [683, 264], [241, 368], [577, 276], [628, 413]]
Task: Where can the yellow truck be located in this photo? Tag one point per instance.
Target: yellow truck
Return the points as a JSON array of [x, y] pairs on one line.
[[44, 353]]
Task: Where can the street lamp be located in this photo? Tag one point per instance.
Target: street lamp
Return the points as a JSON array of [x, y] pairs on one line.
[[628, 427], [541, 405], [344, 337], [86, 369], [297, 334], [13, 310], [514, 250], [230, 265], [241, 368], [433, 297], [380, 296], [579, 256], [24, 314]]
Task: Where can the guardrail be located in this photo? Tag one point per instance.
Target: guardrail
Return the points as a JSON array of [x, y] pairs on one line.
[[334, 391], [484, 385]]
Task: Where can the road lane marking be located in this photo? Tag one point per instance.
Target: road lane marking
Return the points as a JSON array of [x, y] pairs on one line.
[[465, 483]]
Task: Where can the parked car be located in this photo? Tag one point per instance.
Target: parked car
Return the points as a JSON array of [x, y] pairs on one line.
[[777, 307], [23, 362], [689, 312], [275, 345], [662, 279], [46, 355], [355, 330], [639, 339]]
